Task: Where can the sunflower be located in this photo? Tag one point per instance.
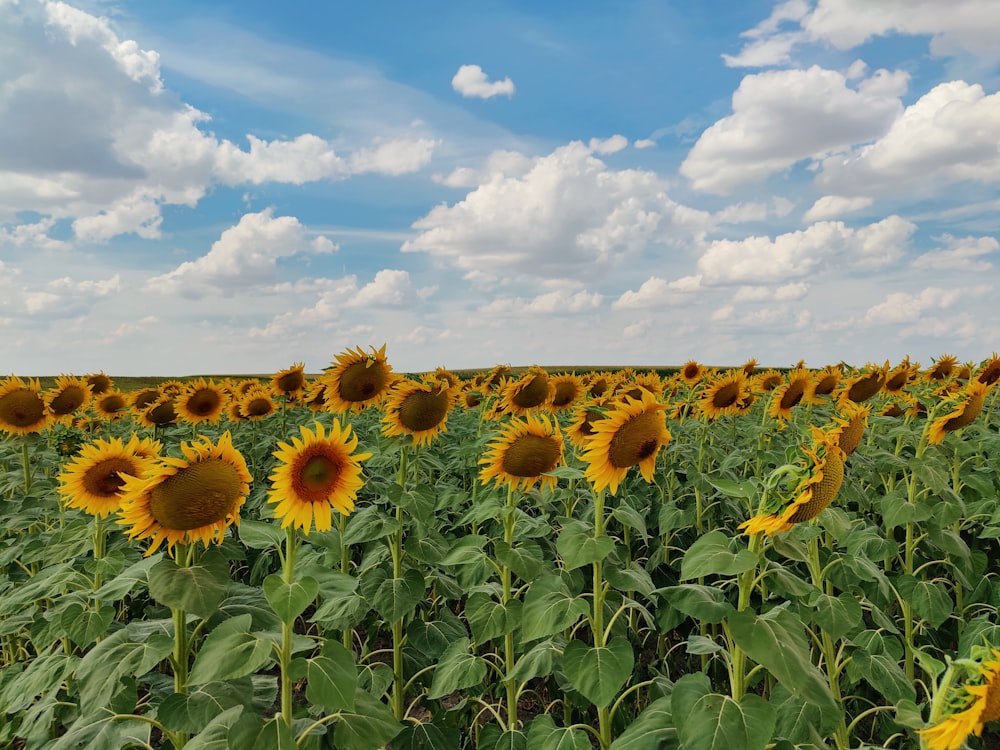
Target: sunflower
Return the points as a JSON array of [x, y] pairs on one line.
[[93, 480], [314, 395], [636, 385], [159, 413], [960, 411], [99, 383], [978, 705], [766, 381], [989, 371], [358, 380], [862, 386], [112, 404], [202, 401], [257, 403], [441, 373], [144, 398], [749, 366], [581, 426], [22, 407], [849, 426], [599, 383], [725, 394], [496, 376], [291, 381], [67, 397], [942, 368], [530, 391], [566, 389], [631, 434], [897, 378], [692, 372], [417, 409], [190, 499], [814, 492], [315, 474], [523, 453], [825, 381], [472, 396], [797, 388]]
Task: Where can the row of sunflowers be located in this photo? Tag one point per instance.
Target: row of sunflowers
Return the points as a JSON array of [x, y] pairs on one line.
[[622, 559]]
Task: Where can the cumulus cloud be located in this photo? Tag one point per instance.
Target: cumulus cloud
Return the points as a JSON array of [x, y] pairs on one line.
[[244, 255], [35, 235], [948, 135], [782, 117], [389, 288], [499, 164], [394, 157], [795, 255], [470, 80], [67, 298], [832, 206], [959, 254], [568, 216], [611, 145], [557, 302], [900, 307]]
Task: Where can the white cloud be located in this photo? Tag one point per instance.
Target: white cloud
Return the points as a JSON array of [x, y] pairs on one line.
[[394, 157], [34, 235], [654, 291], [66, 298], [644, 143], [782, 117], [558, 302], [959, 254], [948, 135], [389, 288], [832, 206], [901, 307], [740, 213], [569, 216], [306, 158], [244, 255], [795, 255], [498, 164], [470, 80], [611, 145]]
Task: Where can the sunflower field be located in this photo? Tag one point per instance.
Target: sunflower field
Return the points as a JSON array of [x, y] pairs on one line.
[[694, 558]]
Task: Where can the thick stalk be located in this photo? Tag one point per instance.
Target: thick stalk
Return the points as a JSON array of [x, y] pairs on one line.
[[737, 656], [287, 629], [181, 647], [909, 549], [347, 636], [26, 464], [396, 550], [508, 640], [597, 619]]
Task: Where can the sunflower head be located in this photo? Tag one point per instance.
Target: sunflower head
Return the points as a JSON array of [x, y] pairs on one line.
[[316, 473], [725, 394], [566, 389], [692, 372], [472, 397], [358, 380], [530, 391], [257, 403], [850, 423], [766, 381], [99, 383], [989, 370], [93, 480], [798, 388], [160, 412], [112, 404], [599, 384], [189, 499], [970, 706], [942, 368], [291, 381], [863, 385], [417, 409], [630, 435], [959, 411], [202, 401], [825, 382], [22, 407], [522, 454], [144, 398], [69, 396]]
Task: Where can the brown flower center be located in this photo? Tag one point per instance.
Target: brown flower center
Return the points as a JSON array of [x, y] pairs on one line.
[[793, 394], [204, 402], [564, 394], [726, 396], [973, 405], [102, 478], [363, 381], [22, 408], [68, 401], [824, 491], [866, 387], [315, 474], [162, 414], [850, 437], [636, 440], [422, 410], [198, 495], [533, 393], [531, 456]]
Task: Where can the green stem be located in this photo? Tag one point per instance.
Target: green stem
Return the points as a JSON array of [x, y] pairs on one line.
[[597, 618], [347, 636], [509, 521], [396, 550], [26, 464], [287, 629]]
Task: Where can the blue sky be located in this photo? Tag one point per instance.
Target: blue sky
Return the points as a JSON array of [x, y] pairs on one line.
[[232, 187]]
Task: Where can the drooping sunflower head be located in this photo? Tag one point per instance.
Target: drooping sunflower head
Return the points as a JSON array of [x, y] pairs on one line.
[[970, 706], [725, 394], [958, 411], [417, 409], [943, 368], [637, 384], [523, 452], [989, 370], [160, 412], [452, 381], [358, 380], [862, 386], [291, 381], [202, 401], [93, 480], [314, 396], [749, 366], [472, 396], [797, 388], [850, 423], [144, 398], [566, 389], [257, 403], [897, 378], [530, 391], [22, 407], [69, 396], [600, 383], [188, 499], [825, 381], [630, 435], [99, 383], [316, 473]]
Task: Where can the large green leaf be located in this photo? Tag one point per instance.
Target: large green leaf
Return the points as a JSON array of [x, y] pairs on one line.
[[650, 730], [550, 608], [777, 641], [525, 559], [126, 652], [711, 555], [198, 589], [99, 731], [369, 727], [577, 545], [192, 712], [85, 625], [123, 583], [599, 672], [230, 651], [332, 678], [703, 603], [489, 618], [837, 615], [397, 597], [458, 669], [717, 722], [427, 736], [543, 734], [883, 673], [289, 600]]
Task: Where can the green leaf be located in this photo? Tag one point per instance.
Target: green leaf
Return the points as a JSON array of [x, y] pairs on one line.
[[368, 524], [883, 673], [427, 736], [837, 615], [369, 727], [123, 583], [98, 731], [465, 550], [397, 597], [930, 602], [699, 644], [124, 653], [84, 625], [630, 518], [798, 720], [458, 669], [711, 555], [704, 603], [599, 673], [230, 651], [543, 734], [650, 730], [550, 608], [289, 600], [578, 547], [332, 678], [777, 641], [260, 534], [198, 589], [525, 559], [731, 488], [717, 722], [433, 637], [193, 712], [536, 662], [488, 618]]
